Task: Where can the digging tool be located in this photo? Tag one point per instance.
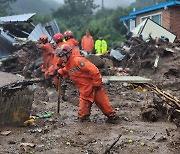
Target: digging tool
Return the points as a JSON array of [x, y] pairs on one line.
[[59, 95]]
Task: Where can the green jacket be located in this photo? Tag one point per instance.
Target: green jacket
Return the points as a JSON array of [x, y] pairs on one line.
[[101, 46]]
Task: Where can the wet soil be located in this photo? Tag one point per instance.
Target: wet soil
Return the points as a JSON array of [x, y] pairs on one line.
[[64, 134]]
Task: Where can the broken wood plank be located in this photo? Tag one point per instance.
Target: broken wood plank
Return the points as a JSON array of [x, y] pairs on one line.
[[129, 79], [164, 95]]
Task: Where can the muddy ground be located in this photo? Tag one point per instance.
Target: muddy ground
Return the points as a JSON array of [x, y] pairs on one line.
[[64, 134]]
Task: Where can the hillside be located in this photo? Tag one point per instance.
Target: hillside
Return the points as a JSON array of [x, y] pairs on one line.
[[41, 6]]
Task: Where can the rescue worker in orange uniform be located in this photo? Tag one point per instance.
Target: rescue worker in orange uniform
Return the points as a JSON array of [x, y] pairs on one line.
[[48, 52], [57, 62], [87, 42], [69, 37], [88, 80]]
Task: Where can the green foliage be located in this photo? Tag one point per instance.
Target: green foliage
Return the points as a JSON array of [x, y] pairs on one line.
[[4, 6], [42, 7], [71, 8], [41, 19], [104, 22]]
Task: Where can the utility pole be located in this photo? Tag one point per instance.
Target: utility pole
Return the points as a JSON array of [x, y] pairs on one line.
[[102, 5]]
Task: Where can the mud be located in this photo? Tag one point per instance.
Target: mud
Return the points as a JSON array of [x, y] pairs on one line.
[[64, 134]]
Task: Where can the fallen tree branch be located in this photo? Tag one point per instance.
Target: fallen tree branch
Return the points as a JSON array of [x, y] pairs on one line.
[[164, 95], [109, 149]]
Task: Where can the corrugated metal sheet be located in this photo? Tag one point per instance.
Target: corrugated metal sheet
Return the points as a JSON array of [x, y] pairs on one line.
[[6, 44], [37, 32], [52, 27], [16, 18]]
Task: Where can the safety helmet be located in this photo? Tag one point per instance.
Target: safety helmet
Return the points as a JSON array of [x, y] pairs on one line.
[[65, 33], [58, 36], [68, 33], [43, 37], [63, 50]]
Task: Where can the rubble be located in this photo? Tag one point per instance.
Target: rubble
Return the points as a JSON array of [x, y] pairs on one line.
[[16, 101]]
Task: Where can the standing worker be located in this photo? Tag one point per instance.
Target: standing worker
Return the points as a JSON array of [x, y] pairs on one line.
[[57, 62], [88, 80], [87, 42], [72, 42], [48, 52], [100, 46]]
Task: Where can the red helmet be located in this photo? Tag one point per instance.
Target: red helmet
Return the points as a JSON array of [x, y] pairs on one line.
[[58, 36], [63, 50], [43, 37], [68, 33]]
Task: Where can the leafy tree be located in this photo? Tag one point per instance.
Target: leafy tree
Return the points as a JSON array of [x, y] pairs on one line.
[[42, 7], [74, 15], [4, 6], [41, 19], [75, 8]]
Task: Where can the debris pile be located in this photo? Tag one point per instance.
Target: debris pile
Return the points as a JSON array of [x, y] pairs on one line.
[[155, 59], [24, 61], [15, 100]]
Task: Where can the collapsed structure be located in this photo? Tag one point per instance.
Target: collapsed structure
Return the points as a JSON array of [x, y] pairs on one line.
[[18, 29]]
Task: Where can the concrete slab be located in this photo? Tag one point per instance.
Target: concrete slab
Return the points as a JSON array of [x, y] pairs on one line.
[[8, 78], [129, 79]]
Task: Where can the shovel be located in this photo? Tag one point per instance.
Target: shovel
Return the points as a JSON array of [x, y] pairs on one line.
[[59, 95]]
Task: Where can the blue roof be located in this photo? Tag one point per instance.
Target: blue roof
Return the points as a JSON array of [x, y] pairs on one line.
[[127, 17], [149, 9]]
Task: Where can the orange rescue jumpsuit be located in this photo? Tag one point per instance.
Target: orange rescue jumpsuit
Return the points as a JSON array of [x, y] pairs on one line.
[[74, 45], [86, 77], [48, 55], [87, 43], [57, 63]]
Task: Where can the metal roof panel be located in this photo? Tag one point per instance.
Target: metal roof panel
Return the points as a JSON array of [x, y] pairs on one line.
[[16, 18], [132, 15], [155, 7], [127, 18]]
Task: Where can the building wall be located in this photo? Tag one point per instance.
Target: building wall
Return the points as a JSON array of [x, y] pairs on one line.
[[175, 21], [138, 18], [170, 18], [166, 18]]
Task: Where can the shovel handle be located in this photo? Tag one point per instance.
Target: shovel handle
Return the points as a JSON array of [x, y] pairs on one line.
[[59, 95]]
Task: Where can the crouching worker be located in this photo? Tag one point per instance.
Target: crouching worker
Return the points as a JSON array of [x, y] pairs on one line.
[[88, 80]]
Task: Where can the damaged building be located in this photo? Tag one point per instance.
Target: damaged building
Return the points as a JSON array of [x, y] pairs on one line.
[[165, 14], [17, 29]]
